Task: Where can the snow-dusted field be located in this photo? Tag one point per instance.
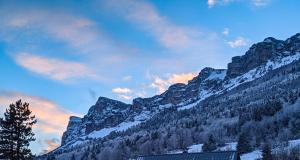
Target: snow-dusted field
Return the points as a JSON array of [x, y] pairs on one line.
[[256, 154]]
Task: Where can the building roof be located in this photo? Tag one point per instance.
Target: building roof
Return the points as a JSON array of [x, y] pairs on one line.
[[225, 155]]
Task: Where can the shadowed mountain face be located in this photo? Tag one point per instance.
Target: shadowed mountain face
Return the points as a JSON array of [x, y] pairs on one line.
[[213, 92]]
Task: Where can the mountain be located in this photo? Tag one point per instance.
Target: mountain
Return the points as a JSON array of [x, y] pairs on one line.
[[257, 94]]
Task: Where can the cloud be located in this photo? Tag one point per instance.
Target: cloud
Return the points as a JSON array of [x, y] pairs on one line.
[[51, 117], [212, 3], [168, 34], [162, 84], [53, 68], [260, 3], [226, 31], [33, 30], [126, 97], [238, 42], [123, 93], [77, 32], [257, 3], [51, 144], [127, 78], [121, 90]]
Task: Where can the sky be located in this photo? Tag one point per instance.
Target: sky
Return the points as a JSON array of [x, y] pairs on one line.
[[60, 56]]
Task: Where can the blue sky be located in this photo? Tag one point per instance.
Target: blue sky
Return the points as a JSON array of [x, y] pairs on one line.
[[61, 55]]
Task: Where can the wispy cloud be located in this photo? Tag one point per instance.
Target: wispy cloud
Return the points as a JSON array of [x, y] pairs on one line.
[[126, 78], [257, 3], [77, 32], [77, 36], [238, 42], [123, 93], [51, 117], [168, 34], [53, 68], [225, 31], [212, 3], [126, 97], [162, 84], [51, 144], [121, 90]]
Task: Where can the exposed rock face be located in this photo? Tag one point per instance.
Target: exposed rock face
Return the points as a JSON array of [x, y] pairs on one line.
[[105, 113], [108, 113], [260, 53]]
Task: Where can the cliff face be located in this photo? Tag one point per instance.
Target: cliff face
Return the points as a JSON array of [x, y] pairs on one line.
[[109, 115], [260, 53]]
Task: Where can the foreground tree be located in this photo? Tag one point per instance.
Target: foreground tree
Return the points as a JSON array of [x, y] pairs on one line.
[[210, 145], [266, 152], [243, 145], [16, 132]]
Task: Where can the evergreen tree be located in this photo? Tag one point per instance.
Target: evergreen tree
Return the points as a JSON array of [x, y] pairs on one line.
[[73, 157], [16, 132], [210, 145], [243, 145], [266, 152]]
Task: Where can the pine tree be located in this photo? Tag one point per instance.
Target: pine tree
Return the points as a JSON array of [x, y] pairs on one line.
[[266, 152], [210, 145], [243, 145], [16, 132]]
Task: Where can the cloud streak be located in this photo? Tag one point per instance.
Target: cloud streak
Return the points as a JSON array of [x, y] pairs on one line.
[[257, 3], [168, 34], [51, 117], [121, 90], [53, 68], [162, 84], [238, 42]]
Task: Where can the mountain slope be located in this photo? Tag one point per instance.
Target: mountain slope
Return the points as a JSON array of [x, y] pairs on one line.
[[255, 91]]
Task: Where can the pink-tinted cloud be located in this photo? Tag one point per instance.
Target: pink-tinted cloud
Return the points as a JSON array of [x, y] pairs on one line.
[[51, 117], [162, 84], [53, 68]]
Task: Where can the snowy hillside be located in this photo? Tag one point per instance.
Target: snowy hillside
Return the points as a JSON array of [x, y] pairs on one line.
[[258, 90]]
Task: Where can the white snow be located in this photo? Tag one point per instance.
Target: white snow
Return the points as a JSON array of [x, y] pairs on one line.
[[256, 154], [188, 106], [195, 148], [268, 40], [260, 71], [106, 131], [165, 106], [294, 143], [217, 75], [229, 147], [252, 155]]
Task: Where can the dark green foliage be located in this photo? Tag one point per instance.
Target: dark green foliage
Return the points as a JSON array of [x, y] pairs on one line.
[[266, 152], [16, 132], [269, 109], [210, 145], [243, 145]]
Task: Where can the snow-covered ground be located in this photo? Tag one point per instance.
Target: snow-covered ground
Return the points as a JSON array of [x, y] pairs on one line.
[[106, 131], [256, 154]]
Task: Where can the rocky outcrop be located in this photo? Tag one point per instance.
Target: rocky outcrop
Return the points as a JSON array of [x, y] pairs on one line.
[[261, 52], [108, 113], [104, 114]]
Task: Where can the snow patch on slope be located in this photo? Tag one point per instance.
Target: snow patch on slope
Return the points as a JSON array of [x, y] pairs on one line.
[[217, 75], [260, 71]]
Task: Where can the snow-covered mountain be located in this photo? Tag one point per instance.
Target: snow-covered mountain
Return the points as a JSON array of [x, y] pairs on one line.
[[267, 71]]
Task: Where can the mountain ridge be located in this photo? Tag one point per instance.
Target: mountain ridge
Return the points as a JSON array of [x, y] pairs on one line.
[[108, 116]]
